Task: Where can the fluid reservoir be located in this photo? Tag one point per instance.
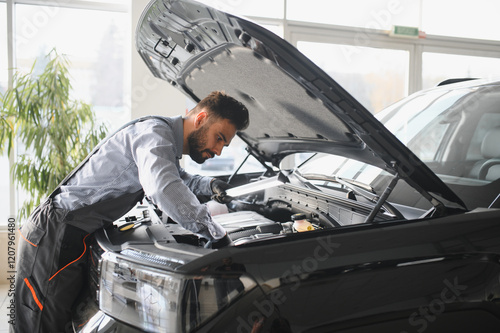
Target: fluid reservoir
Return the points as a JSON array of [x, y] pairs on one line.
[[300, 223]]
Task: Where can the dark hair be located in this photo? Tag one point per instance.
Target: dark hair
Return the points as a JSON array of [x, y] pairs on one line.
[[223, 106]]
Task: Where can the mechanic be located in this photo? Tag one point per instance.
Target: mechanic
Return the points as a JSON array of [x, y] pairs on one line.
[[142, 158]]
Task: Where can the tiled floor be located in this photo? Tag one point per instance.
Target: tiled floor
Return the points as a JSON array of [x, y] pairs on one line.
[[4, 302]]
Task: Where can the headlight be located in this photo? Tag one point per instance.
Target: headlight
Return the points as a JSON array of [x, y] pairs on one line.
[[158, 301]]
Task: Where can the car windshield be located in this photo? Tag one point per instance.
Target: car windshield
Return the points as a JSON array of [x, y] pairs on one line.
[[454, 130]]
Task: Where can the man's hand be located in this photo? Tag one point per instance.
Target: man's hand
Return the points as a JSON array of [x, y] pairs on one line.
[[219, 188]]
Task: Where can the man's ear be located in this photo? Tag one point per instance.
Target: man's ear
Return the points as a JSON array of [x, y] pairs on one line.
[[200, 119]]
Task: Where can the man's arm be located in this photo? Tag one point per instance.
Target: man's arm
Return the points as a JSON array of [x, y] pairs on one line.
[[199, 185], [155, 156]]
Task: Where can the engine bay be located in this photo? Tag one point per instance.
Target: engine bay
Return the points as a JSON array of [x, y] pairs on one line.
[[285, 209], [263, 209]]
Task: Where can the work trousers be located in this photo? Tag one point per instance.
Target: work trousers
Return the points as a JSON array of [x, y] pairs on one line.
[[51, 266]]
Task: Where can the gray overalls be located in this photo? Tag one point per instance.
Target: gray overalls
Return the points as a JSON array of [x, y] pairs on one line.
[[52, 256]]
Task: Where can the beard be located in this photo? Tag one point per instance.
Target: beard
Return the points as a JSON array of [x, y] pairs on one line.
[[196, 141]]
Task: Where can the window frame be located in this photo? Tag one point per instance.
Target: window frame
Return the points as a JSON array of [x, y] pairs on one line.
[[11, 62], [322, 33]]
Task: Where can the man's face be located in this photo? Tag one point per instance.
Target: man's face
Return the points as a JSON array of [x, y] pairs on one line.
[[209, 139]]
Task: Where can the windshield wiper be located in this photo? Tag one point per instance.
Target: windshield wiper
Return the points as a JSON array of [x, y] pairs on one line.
[[307, 160], [364, 190]]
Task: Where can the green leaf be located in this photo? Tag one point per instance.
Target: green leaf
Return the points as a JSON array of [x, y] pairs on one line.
[[56, 131]]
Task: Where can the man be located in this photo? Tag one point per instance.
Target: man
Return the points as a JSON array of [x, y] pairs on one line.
[[140, 159]]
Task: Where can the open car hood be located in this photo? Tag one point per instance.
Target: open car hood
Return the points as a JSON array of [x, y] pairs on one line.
[[294, 106]]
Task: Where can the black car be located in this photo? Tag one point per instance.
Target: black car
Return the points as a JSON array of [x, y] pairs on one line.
[[357, 223]]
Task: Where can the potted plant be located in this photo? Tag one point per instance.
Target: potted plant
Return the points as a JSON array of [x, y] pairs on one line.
[[55, 132]]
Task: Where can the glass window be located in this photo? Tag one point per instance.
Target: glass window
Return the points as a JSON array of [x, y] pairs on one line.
[[97, 45], [478, 19], [446, 127], [437, 67], [488, 122], [431, 138], [4, 161], [375, 77], [3, 48], [98, 53], [262, 8], [119, 2], [420, 111], [369, 14], [4, 189]]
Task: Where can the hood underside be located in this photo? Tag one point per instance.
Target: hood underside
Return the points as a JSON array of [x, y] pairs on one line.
[[294, 106]]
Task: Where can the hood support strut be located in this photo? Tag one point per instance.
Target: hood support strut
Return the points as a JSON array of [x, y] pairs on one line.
[[382, 199]]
